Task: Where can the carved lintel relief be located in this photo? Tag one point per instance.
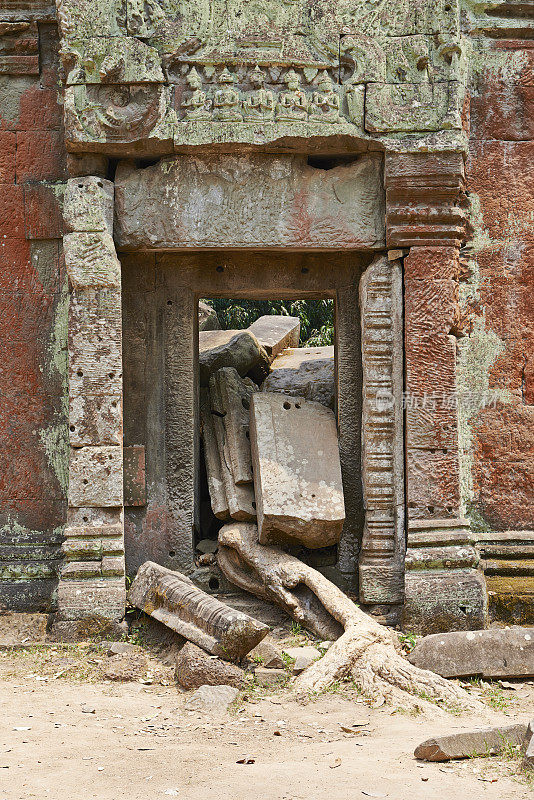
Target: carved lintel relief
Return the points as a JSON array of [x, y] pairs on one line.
[[261, 71], [381, 564]]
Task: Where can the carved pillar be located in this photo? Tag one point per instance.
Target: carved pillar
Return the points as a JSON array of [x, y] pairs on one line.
[[381, 567], [444, 587], [92, 574]]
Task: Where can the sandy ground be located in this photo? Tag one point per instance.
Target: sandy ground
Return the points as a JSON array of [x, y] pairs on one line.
[[141, 743]]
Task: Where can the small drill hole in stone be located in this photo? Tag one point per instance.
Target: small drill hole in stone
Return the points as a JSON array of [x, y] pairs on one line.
[[247, 434], [213, 583], [305, 270], [253, 504], [287, 405], [219, 269], [297, 405], [111, 374], [72, 428], [79, 374], [85, 481], [85, 519], [169, 302], [245, 403], [172, 553]]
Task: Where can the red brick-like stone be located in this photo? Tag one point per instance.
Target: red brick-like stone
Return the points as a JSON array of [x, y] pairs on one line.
[[8, 146], [40, 156], [11, 211], [40, 110], [431, 263], [44, 214]]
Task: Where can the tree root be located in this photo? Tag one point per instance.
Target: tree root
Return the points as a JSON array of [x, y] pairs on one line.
[[364, 650]]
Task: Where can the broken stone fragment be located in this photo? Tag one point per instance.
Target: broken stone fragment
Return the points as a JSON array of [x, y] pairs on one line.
[[207, 318], [297, 472], [240, 497], [230, 396], [196, 668], [307, 372], [266, 654], [275, 333], [528, 747], [491, 653], [302, 657], [483, 742], [174, 600], [215, 699], [88, 205], [219, 501], [238, 349]]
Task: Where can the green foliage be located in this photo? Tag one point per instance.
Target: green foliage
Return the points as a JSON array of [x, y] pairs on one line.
[[316, 316]]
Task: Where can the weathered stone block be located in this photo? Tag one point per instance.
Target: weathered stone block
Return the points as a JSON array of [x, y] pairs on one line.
[[297, 473], [95, 342], [238, 349], [444, 600], [95, 477], [307, 372], [219, 501], [412, 107], [91, 261], [80, 599], [276, 333], [483, 742], [207, 318], [272, 202], [214, 699], [134, 475], [175, 601], [88, 205], [493, 653], [528, 747], [95, 420], [196, 668], [230, 397]]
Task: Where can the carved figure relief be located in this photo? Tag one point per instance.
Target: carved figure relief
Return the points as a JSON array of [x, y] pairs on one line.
[[226, 102], [325, 102], [196, 104], [292, 104], [258, 105]]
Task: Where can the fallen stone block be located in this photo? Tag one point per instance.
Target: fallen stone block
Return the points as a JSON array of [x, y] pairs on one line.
[[307, 372], [238, 349], [219, 501], [195, 668], [297, 473], [120, 648], [467, 744], [270, 677], [266, 654], [240, 497], [303, 657], [212, 698], [528, 747], [491, 653], [275, 333], [230, 399], [174, 600], [125, 667], [207, 318]]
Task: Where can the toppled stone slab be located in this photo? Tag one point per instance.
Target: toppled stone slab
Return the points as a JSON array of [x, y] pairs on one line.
[[270, 677], [238, 349], [528, 747], [174, 600], [303, 657], [125, 667], [307, 372], [275, 333], [195, 668], [207, 318], [212, 698], [240, 497], [230, 400], [491, 653], [212, 459], [297, 472], [483, 742]]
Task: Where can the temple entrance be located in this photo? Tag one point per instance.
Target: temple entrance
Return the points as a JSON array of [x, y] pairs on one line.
[[162, 392]]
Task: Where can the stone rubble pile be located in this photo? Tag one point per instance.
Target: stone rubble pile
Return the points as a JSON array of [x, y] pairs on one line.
[[271, 450]]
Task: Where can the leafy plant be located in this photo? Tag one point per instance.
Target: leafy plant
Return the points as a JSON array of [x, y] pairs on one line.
[[316, 316]]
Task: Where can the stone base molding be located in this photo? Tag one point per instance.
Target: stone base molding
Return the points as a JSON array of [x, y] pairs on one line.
[[92, 580]]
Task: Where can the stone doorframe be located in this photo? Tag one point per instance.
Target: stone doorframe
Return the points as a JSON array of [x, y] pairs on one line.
[[426, 221]]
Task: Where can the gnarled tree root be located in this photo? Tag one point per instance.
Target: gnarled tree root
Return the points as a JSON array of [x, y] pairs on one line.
[[364, 650]]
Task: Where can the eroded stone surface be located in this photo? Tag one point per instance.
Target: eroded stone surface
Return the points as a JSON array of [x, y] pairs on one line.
[[215, 699], [195, 668], [207, 317], [230, 398], [88, 205], [234, 348], [307, 372], [276, 333], [494, 653], [484, 742], [297, 474]]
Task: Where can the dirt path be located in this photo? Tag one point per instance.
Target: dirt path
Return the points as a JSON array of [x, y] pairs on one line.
[[140, 743]]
